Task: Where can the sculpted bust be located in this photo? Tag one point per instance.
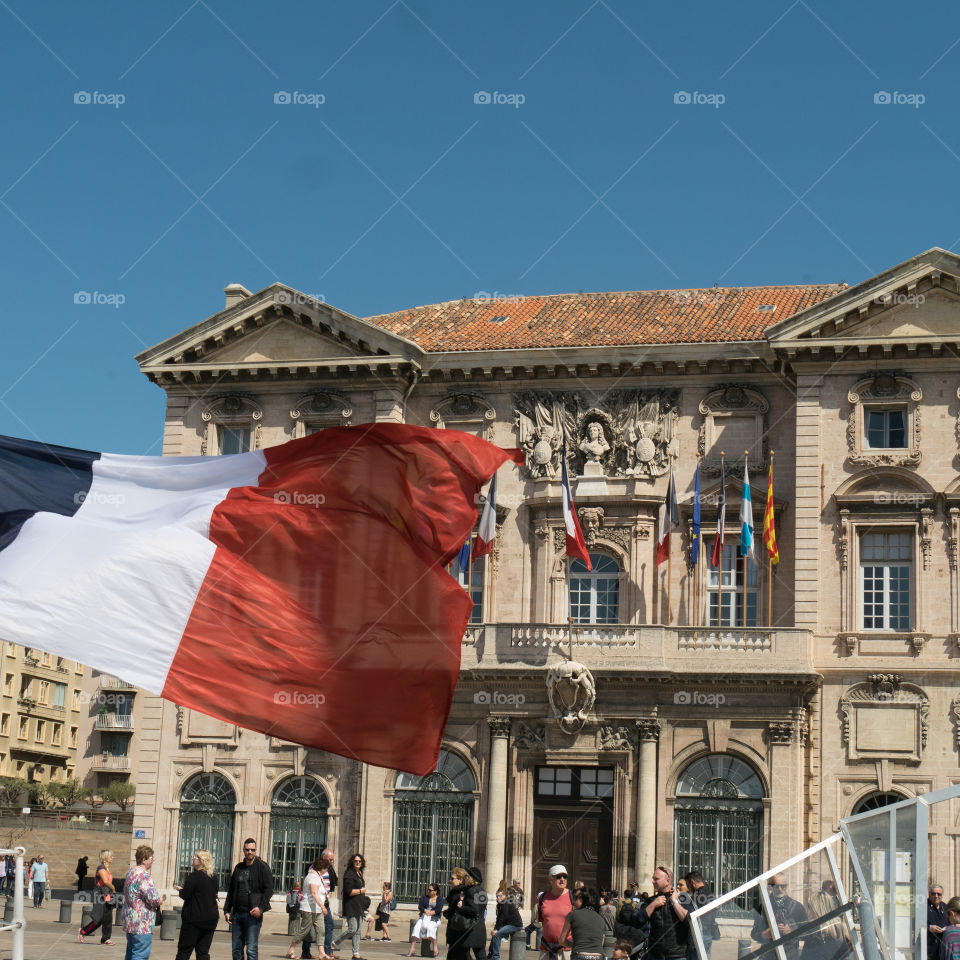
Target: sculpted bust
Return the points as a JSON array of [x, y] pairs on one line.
[[594, 445]]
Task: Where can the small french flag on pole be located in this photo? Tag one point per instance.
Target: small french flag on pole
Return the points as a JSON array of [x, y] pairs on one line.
[[576, 545], [483, 544]]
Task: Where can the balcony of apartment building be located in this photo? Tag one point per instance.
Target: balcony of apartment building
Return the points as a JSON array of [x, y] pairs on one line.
[[111, 720], [44, 665], [110, 763], [109, 684]]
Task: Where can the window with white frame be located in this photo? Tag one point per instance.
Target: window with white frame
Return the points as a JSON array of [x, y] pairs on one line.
[[733, 599], [885, 429], [471, 580], [233, 439], [595, 594], [886, 580]]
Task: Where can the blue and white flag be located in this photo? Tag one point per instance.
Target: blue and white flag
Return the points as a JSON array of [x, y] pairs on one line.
[[746, 518]]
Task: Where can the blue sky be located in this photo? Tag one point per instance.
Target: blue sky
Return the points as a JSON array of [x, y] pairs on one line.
[[624, 146]]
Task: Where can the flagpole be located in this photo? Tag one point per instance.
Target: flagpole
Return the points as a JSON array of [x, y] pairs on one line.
[[720, 533], [669, 518], [696, 568], [769, 564], [746, 457]]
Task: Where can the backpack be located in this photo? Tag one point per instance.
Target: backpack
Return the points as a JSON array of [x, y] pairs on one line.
[[540, 897], [293, 902]]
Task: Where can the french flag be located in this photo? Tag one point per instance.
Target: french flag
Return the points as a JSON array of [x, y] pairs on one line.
[[576, 545], [298, 590], [487, 530]]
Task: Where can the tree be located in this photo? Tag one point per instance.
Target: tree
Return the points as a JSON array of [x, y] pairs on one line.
[[72, 791], [93, 797], [120, 793], [12, 790]]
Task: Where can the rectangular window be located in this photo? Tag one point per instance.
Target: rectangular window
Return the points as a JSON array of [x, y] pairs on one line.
[[886, 579], [76, 699], [595, 595], [5, 724], [57, 737], [44, 694], [41, 731], [74, 731], [471, 580], [732, 595], [8, 685], [554, 781], [60, 695], [22, 732], [886, 429], [575, 783], [596, 782], [233, 439]]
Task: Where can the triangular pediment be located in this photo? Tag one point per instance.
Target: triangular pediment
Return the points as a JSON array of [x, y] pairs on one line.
[[916, 302], [277, 326]]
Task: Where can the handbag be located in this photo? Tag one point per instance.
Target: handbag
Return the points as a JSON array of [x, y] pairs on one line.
[[458, 923]]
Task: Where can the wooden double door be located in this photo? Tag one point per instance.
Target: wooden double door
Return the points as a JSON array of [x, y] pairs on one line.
[[576, 834]]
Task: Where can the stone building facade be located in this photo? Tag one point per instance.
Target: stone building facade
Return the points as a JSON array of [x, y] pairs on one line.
[[678, 719]]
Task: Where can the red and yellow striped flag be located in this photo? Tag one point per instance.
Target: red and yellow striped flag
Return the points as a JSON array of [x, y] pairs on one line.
[[769, 533]]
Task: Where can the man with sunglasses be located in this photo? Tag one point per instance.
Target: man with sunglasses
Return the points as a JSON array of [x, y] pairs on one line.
[[936, 920], [248, 898], [667, 911], [787, 912], [553, 906]]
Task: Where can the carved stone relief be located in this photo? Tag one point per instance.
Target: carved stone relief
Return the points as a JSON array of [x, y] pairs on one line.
[[885, 718], [320, 408], [530, 736], [735, 416], [617, 738], [236, 410], [632, 435], [572, 692]]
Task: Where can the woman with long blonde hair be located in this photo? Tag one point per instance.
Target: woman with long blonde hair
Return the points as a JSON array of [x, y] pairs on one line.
[[200, 913]]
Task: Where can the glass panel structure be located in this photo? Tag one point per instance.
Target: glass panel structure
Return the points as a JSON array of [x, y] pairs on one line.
[[886, 567], [432, 826], [207, 823], [595, 594], [733, 590], [298, 829], [718, 822], [886, 429]]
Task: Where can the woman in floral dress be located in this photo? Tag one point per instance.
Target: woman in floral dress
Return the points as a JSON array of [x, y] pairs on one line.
[[140, 904]]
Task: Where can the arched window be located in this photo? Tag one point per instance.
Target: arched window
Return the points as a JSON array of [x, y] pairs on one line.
[[207, 823], [432, 826], [298, 829], [718, 822], [595, 594], [874, 801]]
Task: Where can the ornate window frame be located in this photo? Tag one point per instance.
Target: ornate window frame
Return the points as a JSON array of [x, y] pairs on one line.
[[470, 412], [883, 500], [724, 403], [319, 409], [233, 410], [884, 390]]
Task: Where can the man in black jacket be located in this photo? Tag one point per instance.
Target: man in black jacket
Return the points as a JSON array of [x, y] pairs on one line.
[[251, 887], [788, 913], [667, 912]]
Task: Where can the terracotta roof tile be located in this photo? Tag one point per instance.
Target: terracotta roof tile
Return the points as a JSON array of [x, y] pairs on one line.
[[715, 314]]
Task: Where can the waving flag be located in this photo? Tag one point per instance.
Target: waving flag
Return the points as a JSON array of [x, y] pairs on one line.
[[695, 533], [746, 517], [576, 545], [463, 557], [721, 518], [769, 531], [483, 544], [669, 519], [275, 589]]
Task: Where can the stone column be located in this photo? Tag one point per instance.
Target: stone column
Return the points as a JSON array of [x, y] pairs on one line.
[[649, 732], [496, 803]]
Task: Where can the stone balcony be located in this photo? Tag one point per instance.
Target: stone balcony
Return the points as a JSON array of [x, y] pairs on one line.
[[775, 651]]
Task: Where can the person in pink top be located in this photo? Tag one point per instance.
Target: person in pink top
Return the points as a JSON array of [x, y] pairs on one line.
[[553, 906]]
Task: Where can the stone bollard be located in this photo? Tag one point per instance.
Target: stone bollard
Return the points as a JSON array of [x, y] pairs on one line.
[[168, 927], [66, 911], [518, 945]]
